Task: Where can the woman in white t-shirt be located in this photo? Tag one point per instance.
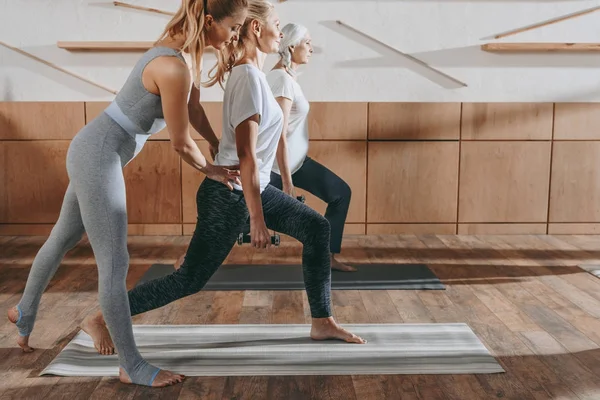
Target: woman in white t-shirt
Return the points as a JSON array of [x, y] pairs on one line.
[[252, 124], [292, 166]]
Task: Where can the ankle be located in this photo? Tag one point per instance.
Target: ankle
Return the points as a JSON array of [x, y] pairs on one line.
[[323, 321], [99, 317]]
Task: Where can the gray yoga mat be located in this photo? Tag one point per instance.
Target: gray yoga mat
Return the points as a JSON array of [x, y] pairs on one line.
[[289, 277], [267, 349]]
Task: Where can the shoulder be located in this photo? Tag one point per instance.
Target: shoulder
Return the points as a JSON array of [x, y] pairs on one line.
[[247, 75], [169, 70], [279, 75], [281, 84]]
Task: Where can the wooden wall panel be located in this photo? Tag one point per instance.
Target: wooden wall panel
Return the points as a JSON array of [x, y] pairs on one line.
[[190, 182], [507, 121], [405, 180], [504, 181], [337, 121], [412, 182], [573, 229], [34, 178], [575, 187], [416, 229], [577, 121], [354, 229], [154, 229], [25, 229], [214, 113], [501, 229], [348, 160], [40, 120], [93, 109], [414, 121], [153, 182]]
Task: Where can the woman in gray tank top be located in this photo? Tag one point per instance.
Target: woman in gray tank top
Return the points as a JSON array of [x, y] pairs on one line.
[[156, 94], [252, 125]]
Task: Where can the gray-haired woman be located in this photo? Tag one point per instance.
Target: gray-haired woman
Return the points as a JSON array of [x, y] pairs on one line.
[[292, 166]]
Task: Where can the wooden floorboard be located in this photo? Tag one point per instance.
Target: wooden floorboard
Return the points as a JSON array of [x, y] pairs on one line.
[[525, 296]]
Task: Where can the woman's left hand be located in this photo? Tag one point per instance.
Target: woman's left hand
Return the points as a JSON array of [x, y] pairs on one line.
[[224, 174]]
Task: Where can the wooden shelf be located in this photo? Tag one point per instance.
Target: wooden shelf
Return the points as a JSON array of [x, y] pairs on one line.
[[540, 47], [105, 46], [111, 46]]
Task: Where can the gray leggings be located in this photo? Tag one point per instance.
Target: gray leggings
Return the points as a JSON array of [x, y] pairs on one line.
[[94, 203]]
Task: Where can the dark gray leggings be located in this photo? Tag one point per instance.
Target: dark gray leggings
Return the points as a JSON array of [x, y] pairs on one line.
[[221, 216], [323, 183]]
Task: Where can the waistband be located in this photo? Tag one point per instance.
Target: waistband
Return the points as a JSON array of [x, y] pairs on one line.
[[220, 185], [114, 111]]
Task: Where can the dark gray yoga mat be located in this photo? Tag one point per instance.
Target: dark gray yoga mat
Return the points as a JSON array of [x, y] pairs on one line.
[[289, 277]]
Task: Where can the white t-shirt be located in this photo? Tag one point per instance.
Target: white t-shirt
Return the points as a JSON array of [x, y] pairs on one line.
[[247, 93], [283, 85]]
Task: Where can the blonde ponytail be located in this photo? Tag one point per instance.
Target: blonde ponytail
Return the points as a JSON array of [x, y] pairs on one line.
[[190, 20], [227, 58]]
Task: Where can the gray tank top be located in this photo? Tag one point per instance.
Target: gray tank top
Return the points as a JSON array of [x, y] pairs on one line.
[[134, 108]]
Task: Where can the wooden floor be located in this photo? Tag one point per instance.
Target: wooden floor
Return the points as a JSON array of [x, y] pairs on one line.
[[524, 296]]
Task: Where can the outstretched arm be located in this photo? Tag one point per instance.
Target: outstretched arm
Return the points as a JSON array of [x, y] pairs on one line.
[[173, 83], [200, 121]]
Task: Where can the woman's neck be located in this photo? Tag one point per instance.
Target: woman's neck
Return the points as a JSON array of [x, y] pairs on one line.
[[175, 42], [253, 56], [291, 70]]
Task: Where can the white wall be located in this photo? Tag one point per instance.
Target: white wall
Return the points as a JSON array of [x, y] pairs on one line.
[[446, 34]]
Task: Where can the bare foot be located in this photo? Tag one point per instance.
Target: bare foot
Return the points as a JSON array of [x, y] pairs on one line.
[[335, 264], [327, 328], [22, 341], [164, 378], [179, 262], [95, 326]]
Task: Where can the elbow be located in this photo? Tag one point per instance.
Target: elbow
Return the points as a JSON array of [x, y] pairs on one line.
[[245, 156], [181, 148]]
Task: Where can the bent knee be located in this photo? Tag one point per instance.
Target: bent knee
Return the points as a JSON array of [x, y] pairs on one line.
[[343, 193], [318, 227], [346, 191]]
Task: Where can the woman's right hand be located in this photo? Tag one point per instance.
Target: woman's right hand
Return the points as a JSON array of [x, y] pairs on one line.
[[224, 174], [287, 186], [259, 234]]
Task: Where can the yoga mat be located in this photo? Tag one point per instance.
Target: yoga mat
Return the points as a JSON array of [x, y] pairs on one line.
[[593, 269], [289, 277], [268, 349]]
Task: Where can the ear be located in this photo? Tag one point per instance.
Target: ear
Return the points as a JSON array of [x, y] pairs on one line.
[[256, 27], [208, 20], [291, 49]]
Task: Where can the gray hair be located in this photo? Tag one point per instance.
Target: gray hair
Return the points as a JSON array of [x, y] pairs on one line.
[[293, 34]]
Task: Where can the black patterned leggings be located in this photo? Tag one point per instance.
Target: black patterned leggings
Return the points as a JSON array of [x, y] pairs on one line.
[[221, 216]]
